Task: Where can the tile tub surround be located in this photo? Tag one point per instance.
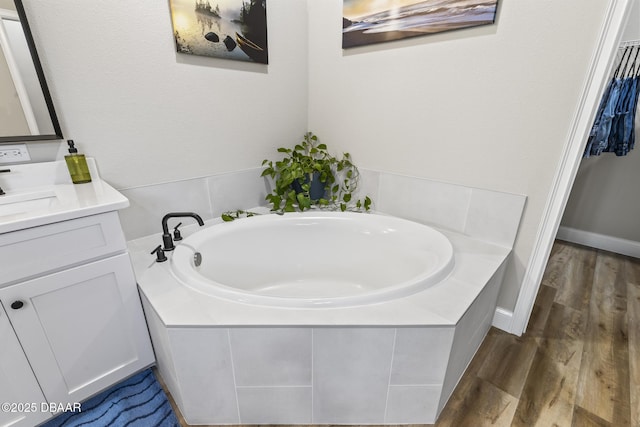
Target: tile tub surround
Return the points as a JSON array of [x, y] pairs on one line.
[[490, 216], [317, 375], [388, 363], [207, 196]]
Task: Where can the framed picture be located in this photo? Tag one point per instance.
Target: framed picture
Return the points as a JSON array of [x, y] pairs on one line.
[[229, 29], [365, 22]]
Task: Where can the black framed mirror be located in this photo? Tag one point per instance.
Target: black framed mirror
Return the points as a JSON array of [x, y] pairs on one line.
[[26, 107]]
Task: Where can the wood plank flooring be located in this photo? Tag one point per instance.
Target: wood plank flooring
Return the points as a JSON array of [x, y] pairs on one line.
[[578, 364]]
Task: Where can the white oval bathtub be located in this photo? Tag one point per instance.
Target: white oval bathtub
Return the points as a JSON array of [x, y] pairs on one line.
[[314, 259]]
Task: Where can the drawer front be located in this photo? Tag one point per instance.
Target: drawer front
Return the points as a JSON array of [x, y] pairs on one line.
[[29, 253]]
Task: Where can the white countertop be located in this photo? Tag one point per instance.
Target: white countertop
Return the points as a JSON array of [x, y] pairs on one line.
[[442, 304], [42, 193]]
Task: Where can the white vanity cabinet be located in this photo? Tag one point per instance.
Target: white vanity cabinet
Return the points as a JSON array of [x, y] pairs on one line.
[[69, 292]]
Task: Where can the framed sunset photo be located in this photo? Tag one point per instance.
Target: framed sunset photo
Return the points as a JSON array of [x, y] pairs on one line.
[[366, 22]]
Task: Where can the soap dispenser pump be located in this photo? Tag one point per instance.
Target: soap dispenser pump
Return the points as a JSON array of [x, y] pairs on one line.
[[77, 165]]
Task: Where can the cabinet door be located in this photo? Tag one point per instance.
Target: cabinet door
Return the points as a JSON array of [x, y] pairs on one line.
[[18, 385], [82, 329]]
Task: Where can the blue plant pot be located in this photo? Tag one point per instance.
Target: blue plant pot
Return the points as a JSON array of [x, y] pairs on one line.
[[316, 190]]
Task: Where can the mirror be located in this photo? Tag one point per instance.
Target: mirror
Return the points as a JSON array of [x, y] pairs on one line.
[[26, 108]]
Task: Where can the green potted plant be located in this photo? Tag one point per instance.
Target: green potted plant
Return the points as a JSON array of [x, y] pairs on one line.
[[308, 175]]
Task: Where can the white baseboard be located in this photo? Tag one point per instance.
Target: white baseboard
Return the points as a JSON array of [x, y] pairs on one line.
[[600, 241], [502, 319]]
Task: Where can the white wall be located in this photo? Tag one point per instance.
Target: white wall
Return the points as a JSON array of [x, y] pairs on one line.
[[604, 199], [488, 107], [150, 115], [632, 30]]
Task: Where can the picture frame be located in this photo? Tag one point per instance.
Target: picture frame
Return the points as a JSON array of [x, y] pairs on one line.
[[365, 22], [227, 29]]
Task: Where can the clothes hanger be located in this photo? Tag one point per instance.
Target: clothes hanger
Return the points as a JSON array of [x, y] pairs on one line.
[[627, 50], [632, 69]]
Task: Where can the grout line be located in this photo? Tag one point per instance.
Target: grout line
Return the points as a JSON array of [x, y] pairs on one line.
[[233, 373], [466, 212], [393, 351], [312, 385], [207, 183], [273, 386], [193, 178], [415, 385]]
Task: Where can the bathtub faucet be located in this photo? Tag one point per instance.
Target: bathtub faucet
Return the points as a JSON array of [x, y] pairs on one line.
[[2, 171], [166, 237]]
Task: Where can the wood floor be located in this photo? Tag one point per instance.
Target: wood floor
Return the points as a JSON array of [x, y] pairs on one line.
[[578, 364]]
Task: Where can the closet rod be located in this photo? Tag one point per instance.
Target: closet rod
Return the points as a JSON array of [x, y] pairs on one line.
[[628, 43]]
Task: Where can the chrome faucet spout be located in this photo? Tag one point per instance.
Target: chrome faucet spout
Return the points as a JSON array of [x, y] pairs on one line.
[[167, 241]]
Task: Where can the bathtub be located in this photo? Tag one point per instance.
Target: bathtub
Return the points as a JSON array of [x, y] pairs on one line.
[[317, 317], [314, 259]]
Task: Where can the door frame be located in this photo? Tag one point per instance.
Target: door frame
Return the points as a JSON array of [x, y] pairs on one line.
[[593, 89]]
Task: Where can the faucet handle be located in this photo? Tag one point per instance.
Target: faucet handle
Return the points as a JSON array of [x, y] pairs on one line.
[[177, 236], [160, 256]]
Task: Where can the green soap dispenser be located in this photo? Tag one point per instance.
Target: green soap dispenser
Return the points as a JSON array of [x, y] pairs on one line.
[[77, 165]]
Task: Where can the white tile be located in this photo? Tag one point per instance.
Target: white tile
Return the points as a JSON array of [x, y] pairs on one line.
[[494, 216], [476, 261], [351, 369], [237, 190], [421, 355], [463, 350], [272, 356], [150, 203], [161, 349], [470, 333], [438, 203], [275, 405], [412, 404], [368, 186], [204, 371]]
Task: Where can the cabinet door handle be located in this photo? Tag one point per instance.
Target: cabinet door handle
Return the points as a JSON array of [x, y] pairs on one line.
[[17, 305]]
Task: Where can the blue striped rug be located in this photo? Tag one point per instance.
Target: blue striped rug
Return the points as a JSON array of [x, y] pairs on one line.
[[139, 401]]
